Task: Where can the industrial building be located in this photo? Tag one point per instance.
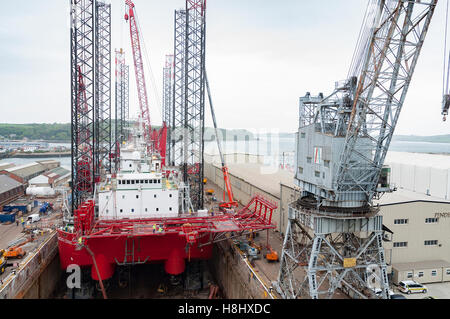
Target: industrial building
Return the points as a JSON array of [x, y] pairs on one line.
[[49, 164], [23, 144], [420, 244], [4, 166], [25, 173], [53, 178], [10, 190], [44, 185]]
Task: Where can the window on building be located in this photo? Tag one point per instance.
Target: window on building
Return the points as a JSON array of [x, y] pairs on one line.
[[409, 275], [146, 210], [434, 273], [159, 181], [121, 210], [170, 195], [317, 173], [157, 209], [154, 196], [155, 181], [132, 210], [326, 163], [401, 221], [300, 170], [170, 208], [123, 196], [420, 274], [431, 220], [146, 181], [431, 242], [402, 244], [128, 182], [309, 160], [448, 272], [133, 182], [137, 196], [150, 181], [303, 135]]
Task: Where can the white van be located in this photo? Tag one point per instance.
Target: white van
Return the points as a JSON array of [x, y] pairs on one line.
[[410, 286], [34, 218]]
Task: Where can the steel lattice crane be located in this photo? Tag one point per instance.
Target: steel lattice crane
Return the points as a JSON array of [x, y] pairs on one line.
[[155, 139], [334, 233]]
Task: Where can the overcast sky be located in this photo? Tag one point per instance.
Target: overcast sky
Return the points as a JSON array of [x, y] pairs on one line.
[[261, 57]]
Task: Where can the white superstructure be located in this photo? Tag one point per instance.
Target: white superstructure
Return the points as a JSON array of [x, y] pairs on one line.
[[140, 190]]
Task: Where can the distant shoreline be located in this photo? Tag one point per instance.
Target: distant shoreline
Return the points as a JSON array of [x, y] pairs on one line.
[[40, 155]]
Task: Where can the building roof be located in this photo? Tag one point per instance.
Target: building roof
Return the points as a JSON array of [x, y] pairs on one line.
[[41, 179], [7, 184], [4, 166], [57, 172], [402, 196], [430, 264], [26, 170]]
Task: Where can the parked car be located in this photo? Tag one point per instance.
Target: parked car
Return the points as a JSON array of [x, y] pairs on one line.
[[398, 296], [410, 286]]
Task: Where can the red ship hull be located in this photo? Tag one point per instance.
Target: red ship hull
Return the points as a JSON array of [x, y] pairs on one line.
[[102, 245], [170, 249]]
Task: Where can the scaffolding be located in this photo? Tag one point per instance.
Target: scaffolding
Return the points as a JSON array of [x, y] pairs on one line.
[[194, 114], [104, 144], [177, 114], [168, 101], [82, 99]]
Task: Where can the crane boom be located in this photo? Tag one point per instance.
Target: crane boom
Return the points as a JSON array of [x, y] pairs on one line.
[[226, 177], [395, 44], [139, 69]]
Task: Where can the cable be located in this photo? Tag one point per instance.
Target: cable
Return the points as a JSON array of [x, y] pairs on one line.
[[445, 76], [445, 81], [152, 77], [358, 43]]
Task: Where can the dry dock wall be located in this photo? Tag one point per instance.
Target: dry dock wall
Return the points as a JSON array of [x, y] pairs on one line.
[[236, 277], [37, 275]]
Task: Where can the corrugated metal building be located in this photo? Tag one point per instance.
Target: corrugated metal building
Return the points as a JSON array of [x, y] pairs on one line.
[[50, 164], [24, 173], [52, 178], [4, 166], [10, 190]]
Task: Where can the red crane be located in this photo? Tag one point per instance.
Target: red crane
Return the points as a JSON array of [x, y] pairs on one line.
[[226, 176], [153, 138]]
